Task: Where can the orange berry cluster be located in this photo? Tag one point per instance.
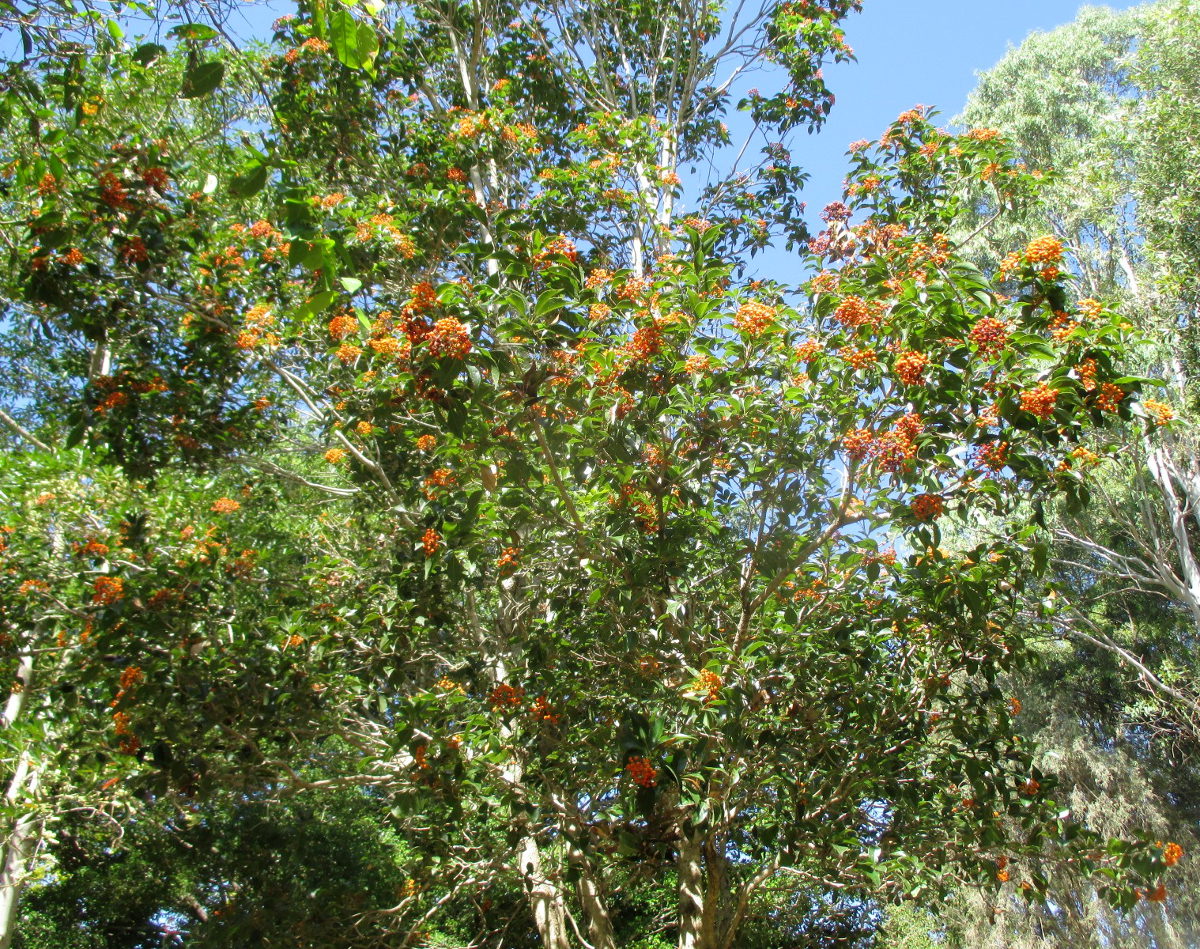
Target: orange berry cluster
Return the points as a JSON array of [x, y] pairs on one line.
[[633, 288], [892, 451], [1172, 853], [93, 548], [343, 325], [1044, 250], [858, 442], [439, 478], [1157, 895], [806, 350], [1087, 374], [107, 590], [431, 540], [992, 455], [1109, 397], [854, 311], [347, 353], [225, 506], [506, 696], [449, 338], [543, 711], [1039, 401], [335, 455], [509, 560], [858, 358], [645, 343], [1162, 412], [128, 742], [641, 771], [990, 335], [910, 367], [926, 507], [753, 318], [708, 681]]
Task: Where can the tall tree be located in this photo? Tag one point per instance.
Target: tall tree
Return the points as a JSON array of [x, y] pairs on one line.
[[523, 495]]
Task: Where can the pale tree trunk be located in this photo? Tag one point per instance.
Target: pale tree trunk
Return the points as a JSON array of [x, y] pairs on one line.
[[22, 833], [545, 896], [697, 904], [591, 896], [1162, 468]]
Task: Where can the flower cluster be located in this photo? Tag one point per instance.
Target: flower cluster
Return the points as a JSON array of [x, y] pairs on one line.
[[449, 338], [754, 318], [925, 507], [641, 772], [335, 455], [543, 711], [990, 335], [506, 696], [225, 505], [910, 367], [107, 590], [509, 560], [1044, 250], [1039, 400], [1109, 397]]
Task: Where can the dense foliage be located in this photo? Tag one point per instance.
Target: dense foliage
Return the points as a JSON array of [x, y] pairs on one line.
[[404, 488]]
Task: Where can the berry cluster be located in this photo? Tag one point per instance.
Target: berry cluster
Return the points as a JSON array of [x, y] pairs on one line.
[[1039, 401], [925, 507], [642, 772]]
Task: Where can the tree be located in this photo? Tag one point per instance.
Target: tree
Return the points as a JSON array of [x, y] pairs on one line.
[[546, 520], [1110, 702]]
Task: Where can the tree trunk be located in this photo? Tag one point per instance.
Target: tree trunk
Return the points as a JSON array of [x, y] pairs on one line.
[[545, 897], [23, 831], [591, 898], [1163, 469], [697, 909]]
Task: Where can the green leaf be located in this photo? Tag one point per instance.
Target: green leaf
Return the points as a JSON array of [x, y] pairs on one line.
[[193, 31], [202, 79], [249, 182], [317, 303], [148, 53], [352, 284], [354, 44]]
